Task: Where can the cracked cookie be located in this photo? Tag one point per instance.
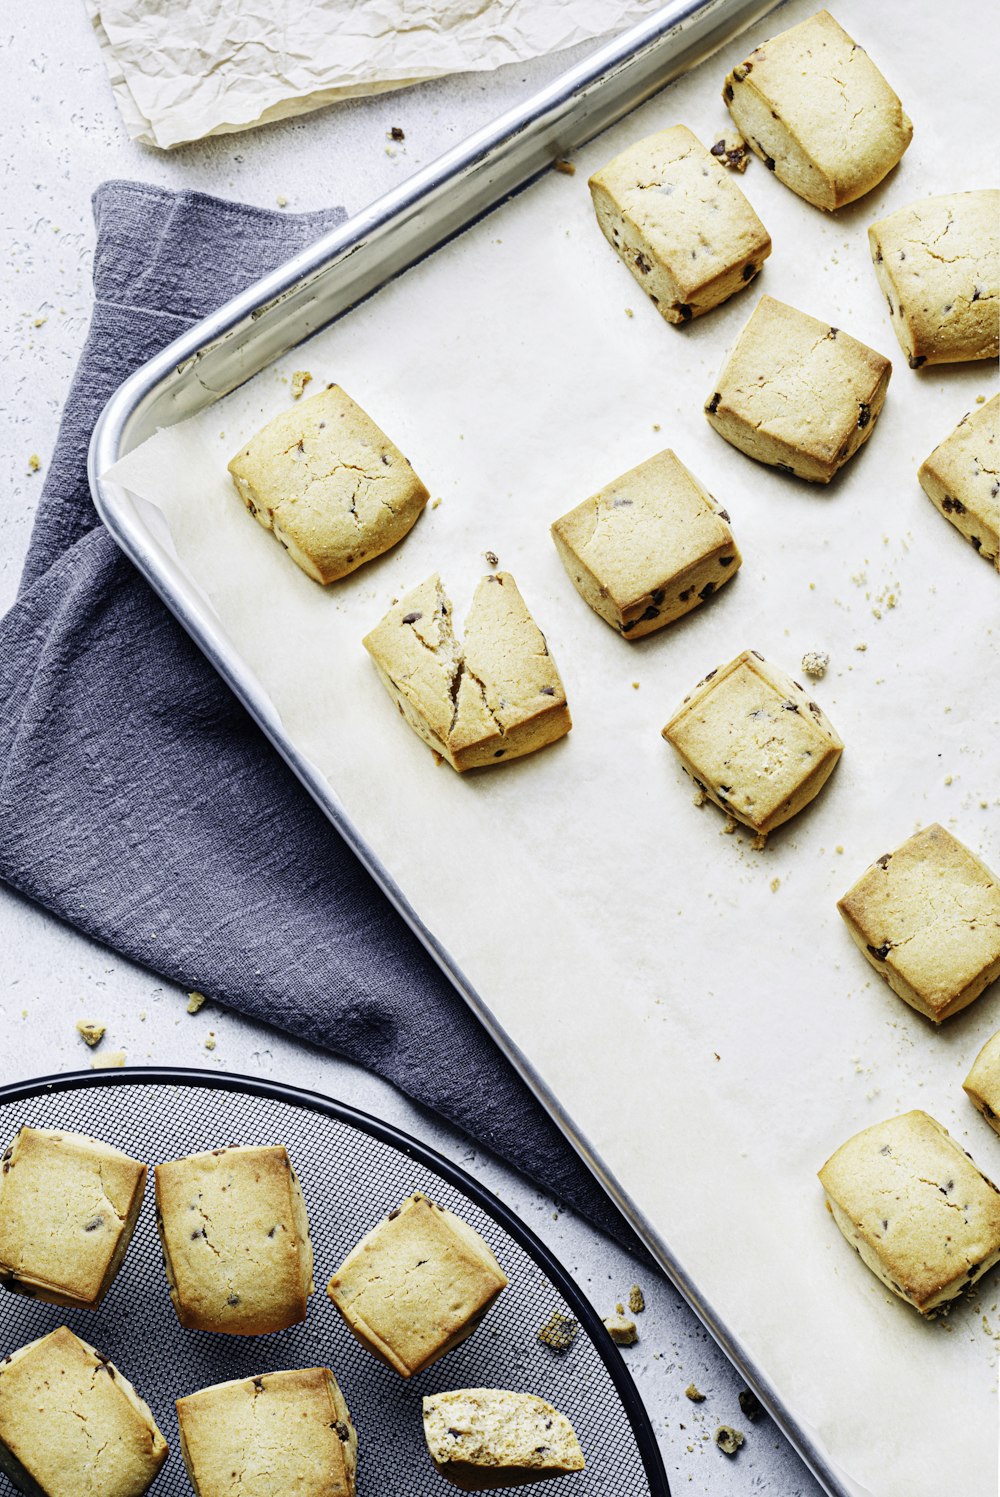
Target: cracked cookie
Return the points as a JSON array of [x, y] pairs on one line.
[[754, 742], [647, 548], [962, 478], [68, 1208], [72, 1426], [680, 223], [416, 1285], [921, 1215], [495, 694], [797, 393], [329, 485], [235, 1238], [927, 917], [280, 1432], [484, 1439], [818, 113], [938, 264], [982, 1085]]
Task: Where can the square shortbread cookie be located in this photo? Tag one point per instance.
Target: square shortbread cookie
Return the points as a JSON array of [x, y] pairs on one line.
[[818, 112], [416, 1285], [927, 917], [648, 547], [938, 263], [962, 477], [482, 1439], [495, 694], [921, 1215], [70, 1424], [982, 1085], [797, 393], [235, 1239], [329, 485], [680, 223], [282, 1432], [68, 1209], [754, 742]]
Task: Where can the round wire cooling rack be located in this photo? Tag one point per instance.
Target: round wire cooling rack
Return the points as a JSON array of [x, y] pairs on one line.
[[353, 1169]]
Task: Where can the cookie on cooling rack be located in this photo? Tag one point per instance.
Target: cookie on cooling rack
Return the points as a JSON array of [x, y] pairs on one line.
[[68, 1208]]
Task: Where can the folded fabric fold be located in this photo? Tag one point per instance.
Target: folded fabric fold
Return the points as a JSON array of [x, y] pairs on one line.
[[139, 802]]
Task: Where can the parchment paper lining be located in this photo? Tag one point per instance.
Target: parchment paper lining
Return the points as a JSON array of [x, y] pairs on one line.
[[697, 1007]]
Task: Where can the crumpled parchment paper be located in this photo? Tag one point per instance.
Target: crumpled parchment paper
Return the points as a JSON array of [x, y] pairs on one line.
[[184, 69]]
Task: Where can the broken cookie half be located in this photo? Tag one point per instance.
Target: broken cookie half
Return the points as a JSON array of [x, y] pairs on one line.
[[494, 695]]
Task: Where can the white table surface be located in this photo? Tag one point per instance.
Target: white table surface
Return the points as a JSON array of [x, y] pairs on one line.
[[62, 136]]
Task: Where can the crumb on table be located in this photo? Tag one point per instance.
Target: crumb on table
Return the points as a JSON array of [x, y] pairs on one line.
[[195, 1002], [695, 1394], [728, 1439], [621, 1330], [750, 1405], [566, 167], [90, 1031], [300, 379], [815, 662], [636, 1300]]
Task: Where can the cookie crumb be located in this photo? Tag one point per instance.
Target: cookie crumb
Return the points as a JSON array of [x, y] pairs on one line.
[[635, 686], [861, 648], [281, 200], [750, 1405], [839, 847], [728, 1439], [210, 1040], [629, 312], [90, 1032], [34, 463], [300, 379], [759, 842], [730, 826], [699, 798], [436, 504], [562, 165], [621, 1330], [111, 1060], [636, 1300], [695, 1394], [559, 1331], [41, 321], [775, 885], [195, 1002], [731, 151], [397, 133], [492, 559], [815, 662]]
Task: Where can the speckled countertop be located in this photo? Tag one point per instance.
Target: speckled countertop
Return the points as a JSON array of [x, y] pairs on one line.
[[62, 136]]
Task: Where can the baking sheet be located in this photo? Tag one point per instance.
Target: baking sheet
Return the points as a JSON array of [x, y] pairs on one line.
[[697, 1007]]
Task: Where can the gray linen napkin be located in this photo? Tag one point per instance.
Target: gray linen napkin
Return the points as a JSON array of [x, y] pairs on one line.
[[141, 804]]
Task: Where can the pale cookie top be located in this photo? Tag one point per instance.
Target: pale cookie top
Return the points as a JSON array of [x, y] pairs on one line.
[[830, 96], [983, 1080], [799, 380], [645, 528], [495, 1429], [753, 734], [326, 475], [65, 1200], [942, 255], [237, 1435], [416, 1281], [236, 1236], [77, 1426], [931, 912], [967, 466], [917, 1200], [497, 677], [690, 212]]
